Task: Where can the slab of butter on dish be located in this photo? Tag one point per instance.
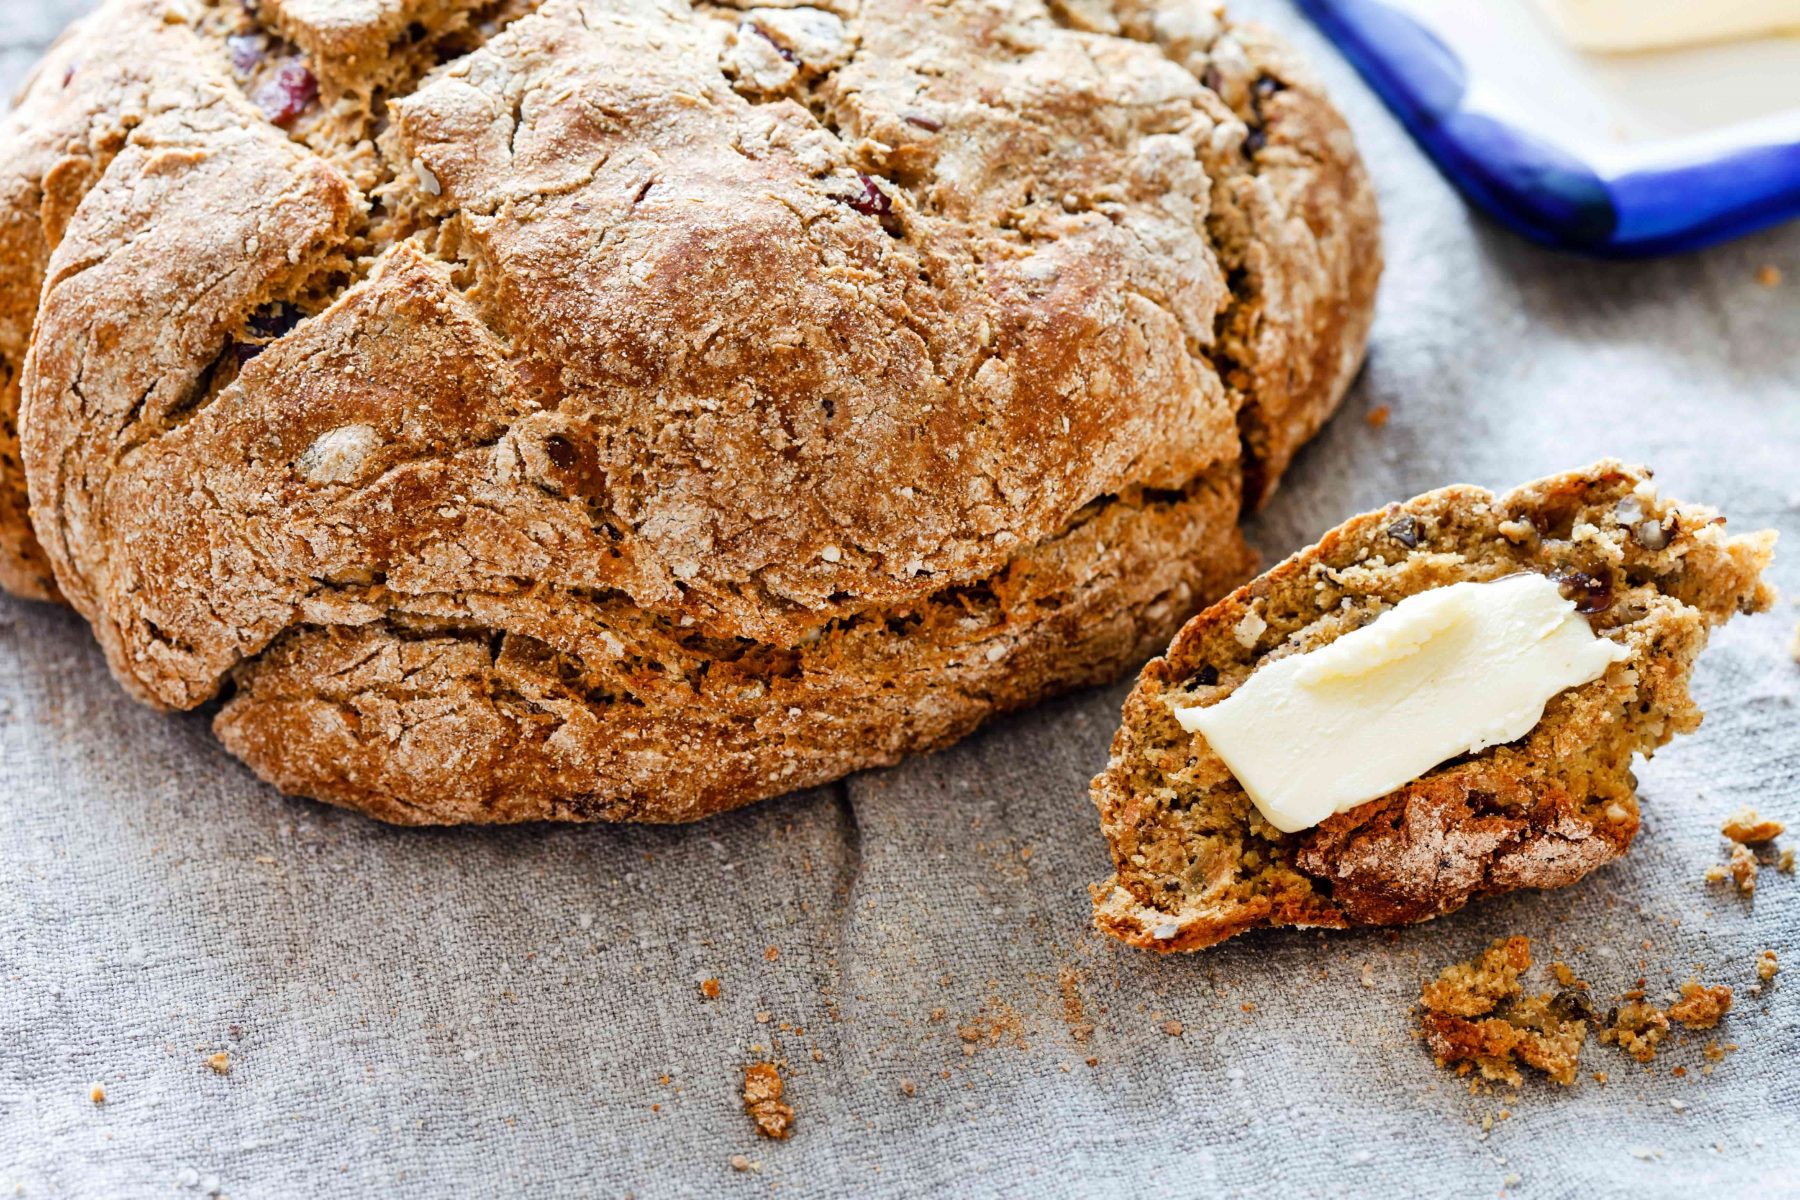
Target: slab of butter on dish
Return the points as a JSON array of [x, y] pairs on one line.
[[1617, 26], [1445, 672]]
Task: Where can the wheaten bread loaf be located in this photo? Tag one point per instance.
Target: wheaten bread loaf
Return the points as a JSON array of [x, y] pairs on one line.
[[1195, 861], [630, 409]]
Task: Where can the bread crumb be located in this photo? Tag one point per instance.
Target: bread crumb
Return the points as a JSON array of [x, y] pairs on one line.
[[97, 1094], [762, 1101], [1743, 869], [1716, 873], [739, 1163], [1172, 1027], [1701, 1007], [1785, 862], [1746, 827], [1074, 1011], [1768, 275], [1637, 1029], [710, 988], [1476, 1017], [908, 1087], [772, 953], [1766, 965], [1379, 416], [220, 1063]]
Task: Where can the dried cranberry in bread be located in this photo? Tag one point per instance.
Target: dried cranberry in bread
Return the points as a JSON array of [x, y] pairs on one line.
[[1196, 862], [627, 409]]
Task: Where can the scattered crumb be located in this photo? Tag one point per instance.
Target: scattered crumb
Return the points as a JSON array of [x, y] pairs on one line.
[[762, 1100], [1701, 1007], [1637, 1029], [1092, 1061], [772, 953], [739, 1163], [220, 1063], [1746, 827], [97, 1094], [709, 988], [762, 1018], [1470, 989], [999, 1022], [1074, 1012], [1543, 1032], [1368, 975], [1172, 1027], [1379, 416], [818, 1055], [1785, 862], [1766, 965], [908, 1087], [1717, 873], [1768, 275], [1743, 869]]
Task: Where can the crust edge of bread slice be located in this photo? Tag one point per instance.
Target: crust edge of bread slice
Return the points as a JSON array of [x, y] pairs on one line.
[[1196, 864]]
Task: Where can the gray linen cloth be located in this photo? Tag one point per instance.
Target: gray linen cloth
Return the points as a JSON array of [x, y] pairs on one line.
[[508, 1012]]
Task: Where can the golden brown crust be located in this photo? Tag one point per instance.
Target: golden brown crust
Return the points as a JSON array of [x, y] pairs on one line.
[[663, 377], [1196, 864]]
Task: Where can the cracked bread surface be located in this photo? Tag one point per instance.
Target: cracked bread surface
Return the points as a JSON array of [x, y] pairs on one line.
[[629, 410], [1195, 862]]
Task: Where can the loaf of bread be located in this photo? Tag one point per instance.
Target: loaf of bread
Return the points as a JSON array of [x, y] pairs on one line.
[[1196, 861], [628, 409]]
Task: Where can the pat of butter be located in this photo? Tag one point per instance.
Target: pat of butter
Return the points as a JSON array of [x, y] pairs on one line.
[[1625, 25], [1442, 673]]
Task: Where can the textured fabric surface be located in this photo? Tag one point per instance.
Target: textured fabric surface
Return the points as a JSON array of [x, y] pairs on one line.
[[500, 1012]]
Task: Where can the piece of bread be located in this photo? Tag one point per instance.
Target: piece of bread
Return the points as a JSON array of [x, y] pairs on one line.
[[628, 410], [1196, 863]]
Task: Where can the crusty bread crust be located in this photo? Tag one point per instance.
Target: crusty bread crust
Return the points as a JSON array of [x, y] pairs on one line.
[[1195, 863], [652, 409]]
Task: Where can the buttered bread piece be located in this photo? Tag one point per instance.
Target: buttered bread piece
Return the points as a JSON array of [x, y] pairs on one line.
[[1457, 669], [1438, 700]]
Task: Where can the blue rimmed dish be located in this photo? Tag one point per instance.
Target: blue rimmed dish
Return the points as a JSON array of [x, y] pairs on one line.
[[1613, 155]]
